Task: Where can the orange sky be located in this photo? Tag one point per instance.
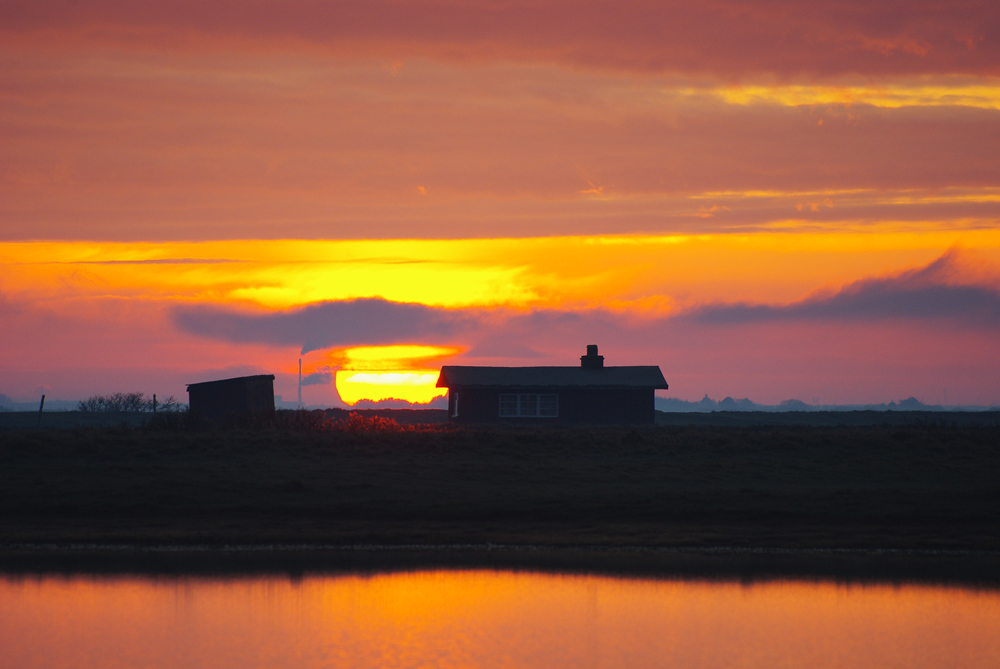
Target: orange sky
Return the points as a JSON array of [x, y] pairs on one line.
[[744, 194]]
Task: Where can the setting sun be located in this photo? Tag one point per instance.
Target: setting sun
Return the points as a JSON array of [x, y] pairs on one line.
[[400, 372], [416, 387]]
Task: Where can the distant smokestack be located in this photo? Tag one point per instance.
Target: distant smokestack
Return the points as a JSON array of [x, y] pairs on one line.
[[300, 380], [592, 360]]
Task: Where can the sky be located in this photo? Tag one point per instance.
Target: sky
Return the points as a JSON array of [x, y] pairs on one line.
[[767, 199]]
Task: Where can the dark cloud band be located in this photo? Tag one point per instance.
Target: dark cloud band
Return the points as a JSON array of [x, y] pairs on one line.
[[328, 324], [923, 294]]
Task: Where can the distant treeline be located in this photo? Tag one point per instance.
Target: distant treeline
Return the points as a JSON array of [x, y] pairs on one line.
[[112, 403], [8, 404], [706, 404]]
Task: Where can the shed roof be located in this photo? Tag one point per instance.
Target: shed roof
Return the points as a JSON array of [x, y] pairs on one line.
[[549, 377], [237, 380]]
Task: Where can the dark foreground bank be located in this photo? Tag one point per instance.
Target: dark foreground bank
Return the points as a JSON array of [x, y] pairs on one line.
[[949, 568], [910, 487]]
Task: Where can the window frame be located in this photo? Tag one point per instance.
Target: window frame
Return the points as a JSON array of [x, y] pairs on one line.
[[528, 405]]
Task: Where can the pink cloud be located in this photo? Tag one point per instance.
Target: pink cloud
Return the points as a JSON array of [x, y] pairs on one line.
[[727, 39], [123, 151]]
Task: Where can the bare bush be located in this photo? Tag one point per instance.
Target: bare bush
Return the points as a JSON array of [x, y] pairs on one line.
[[169, 405], [127, 403]]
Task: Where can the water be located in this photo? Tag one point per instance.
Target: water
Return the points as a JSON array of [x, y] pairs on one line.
[[454, 618]]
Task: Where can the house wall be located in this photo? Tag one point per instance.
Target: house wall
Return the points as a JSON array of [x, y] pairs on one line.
[[576, 406], [220, 400]]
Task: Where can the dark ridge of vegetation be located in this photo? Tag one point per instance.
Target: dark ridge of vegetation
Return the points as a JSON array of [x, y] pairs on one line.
[[300, 420], [179, 419], [977, 570], [903, 486], [828, 418]]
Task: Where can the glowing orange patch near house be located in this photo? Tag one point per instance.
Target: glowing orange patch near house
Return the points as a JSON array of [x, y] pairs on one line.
[[403, 372]]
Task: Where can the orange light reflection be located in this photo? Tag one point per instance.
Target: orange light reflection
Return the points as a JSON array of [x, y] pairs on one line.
[[491, 619]]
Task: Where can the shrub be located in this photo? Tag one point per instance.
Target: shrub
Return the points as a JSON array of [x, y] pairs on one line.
[[356, 422], [169, 405], [317, 421]]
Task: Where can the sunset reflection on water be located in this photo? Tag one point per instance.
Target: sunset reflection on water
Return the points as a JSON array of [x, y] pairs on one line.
[[489, 619]]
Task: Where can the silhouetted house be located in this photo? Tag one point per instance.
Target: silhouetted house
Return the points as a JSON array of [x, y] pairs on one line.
[[243, 398], [590, 393]]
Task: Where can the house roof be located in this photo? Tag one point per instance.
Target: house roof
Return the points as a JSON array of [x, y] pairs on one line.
[[549, 377], [239, 379]]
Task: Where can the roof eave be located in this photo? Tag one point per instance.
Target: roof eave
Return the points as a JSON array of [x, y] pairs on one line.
[[481, 386]]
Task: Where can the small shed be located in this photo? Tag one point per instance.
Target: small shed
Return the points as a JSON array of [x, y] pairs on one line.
[[590, 393], [242, 398]]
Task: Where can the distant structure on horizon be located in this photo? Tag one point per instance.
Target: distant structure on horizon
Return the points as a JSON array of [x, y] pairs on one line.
[[240, 398], [590, 393]]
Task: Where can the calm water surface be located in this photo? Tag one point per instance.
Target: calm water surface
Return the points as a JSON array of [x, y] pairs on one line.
[[489, 619]]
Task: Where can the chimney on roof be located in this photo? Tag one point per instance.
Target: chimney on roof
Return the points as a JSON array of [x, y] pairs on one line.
[[592, 360]]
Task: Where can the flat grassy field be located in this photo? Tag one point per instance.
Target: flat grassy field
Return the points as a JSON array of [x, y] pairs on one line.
[[870, 487]]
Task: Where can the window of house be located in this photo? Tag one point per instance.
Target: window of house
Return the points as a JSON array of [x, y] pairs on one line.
[[508, 405], [529, 405], [454, 407]]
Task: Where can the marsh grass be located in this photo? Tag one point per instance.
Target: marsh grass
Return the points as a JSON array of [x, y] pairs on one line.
[[354, 421], [342, 482]]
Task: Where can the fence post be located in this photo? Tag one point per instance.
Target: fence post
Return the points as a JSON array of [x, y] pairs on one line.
[[154, 402], [41, 405]]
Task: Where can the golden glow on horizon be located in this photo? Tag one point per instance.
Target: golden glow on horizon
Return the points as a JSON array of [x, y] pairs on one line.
[[638, 273]]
